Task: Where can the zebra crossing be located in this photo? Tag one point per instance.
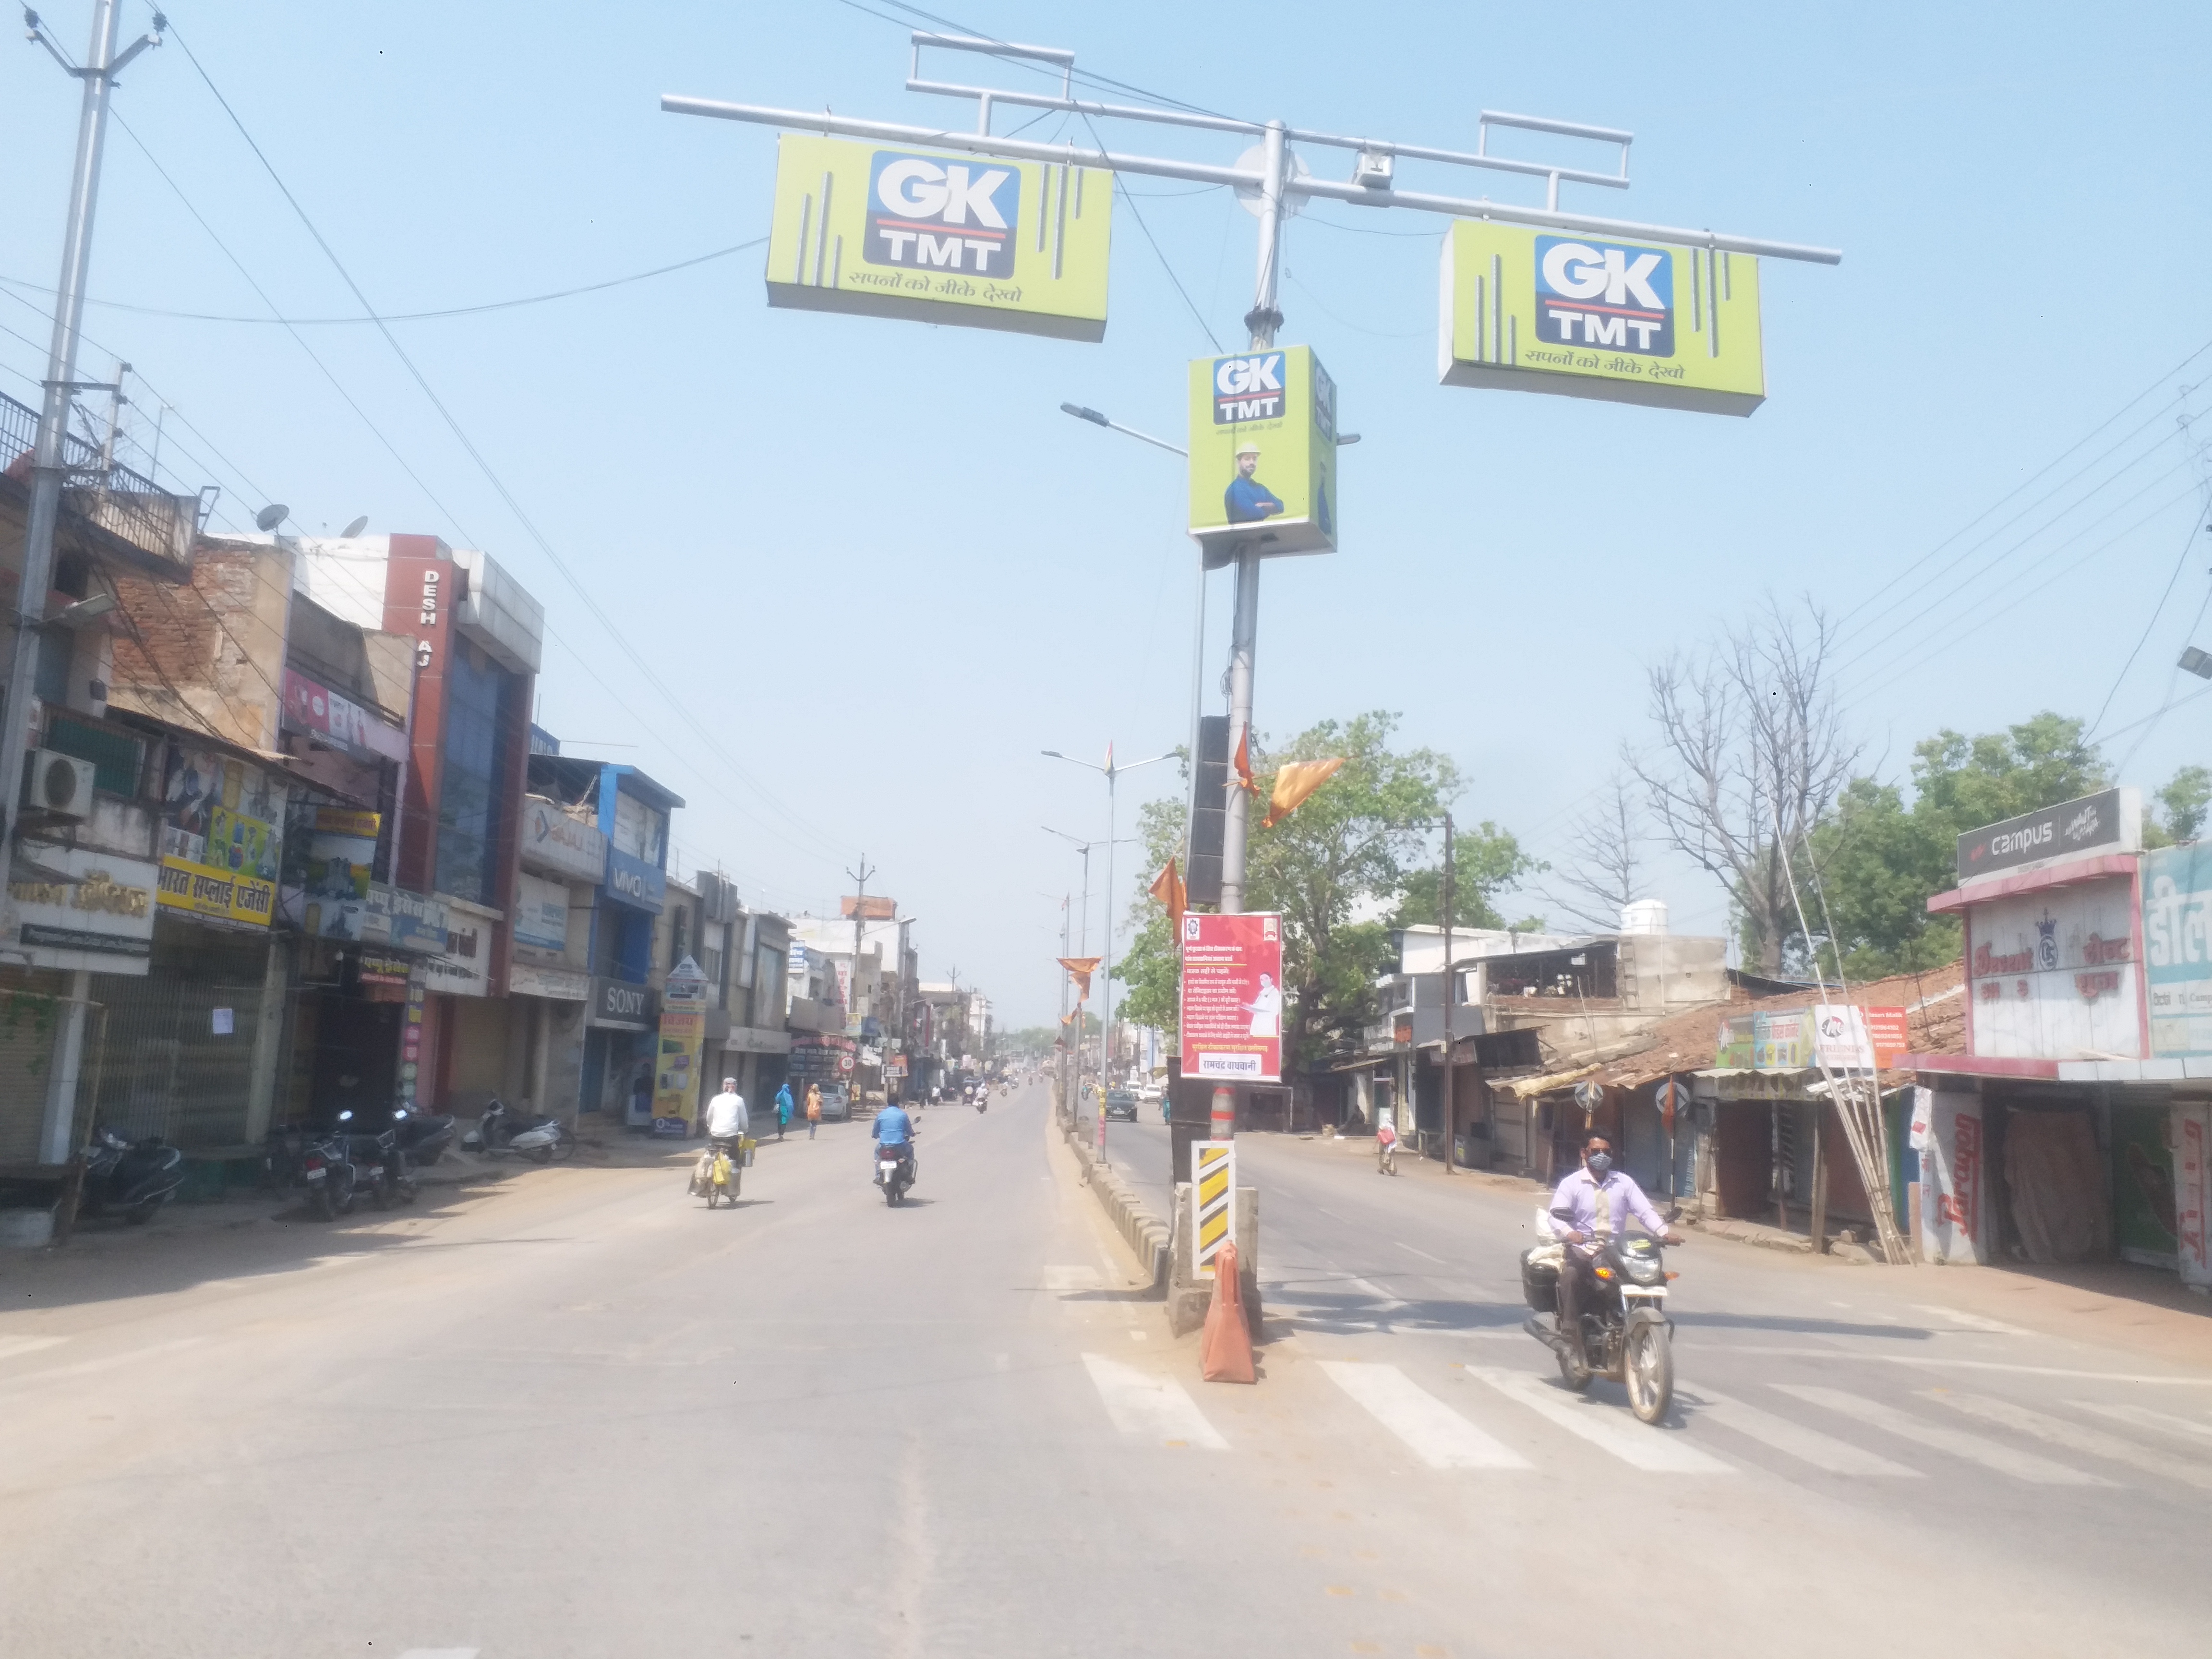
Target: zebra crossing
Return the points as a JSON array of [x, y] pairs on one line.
[[1516, 1424]]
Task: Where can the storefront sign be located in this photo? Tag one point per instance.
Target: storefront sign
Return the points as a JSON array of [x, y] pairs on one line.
[[2108, 822], [340, 853], [1840, 1041], [1232, 997], [1952, 1178], [965, 240], [640, 885], [1733, 1047], [374, 969], [2193, 1173], [559, 845], [1263, 450], [676, 1060], [463, 968], [2177, 932], [1534, 310], [628, 1007], [1782, 1041], [315, 707], [411, 1046], [2053, 976], [756, 1040], [81, 909], [403, 921], [527, 979], [220, 842], [1886, 1030], [541, 913]]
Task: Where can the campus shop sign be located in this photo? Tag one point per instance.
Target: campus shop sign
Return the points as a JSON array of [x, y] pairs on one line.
[[1531, 310], [935, 238], [1263, 453], [2109, 822], [2177, 931], [1232, 997], [221, 846]]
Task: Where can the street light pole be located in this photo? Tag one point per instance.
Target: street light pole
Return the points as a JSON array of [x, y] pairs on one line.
[[102, 64]]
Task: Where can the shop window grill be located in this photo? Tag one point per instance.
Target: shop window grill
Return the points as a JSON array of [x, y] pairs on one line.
[[163, 1069]]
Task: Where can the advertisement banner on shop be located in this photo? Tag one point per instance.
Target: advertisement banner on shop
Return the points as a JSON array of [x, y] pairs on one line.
[[1952, 1180], [1263, 453], [77, 908], [1782, 1041], [315, 707], [2053, 976], [2177, 932], [965, 240], [541, 913], [341, 854], [1232, 997], [2109, 822], [676, 1059], [1525, 309], [220, 844], [559, 844]]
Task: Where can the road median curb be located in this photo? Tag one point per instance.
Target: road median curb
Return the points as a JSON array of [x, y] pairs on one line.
[[1144, 1232]]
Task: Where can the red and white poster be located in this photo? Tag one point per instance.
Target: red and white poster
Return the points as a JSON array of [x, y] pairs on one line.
[[1232, 997]]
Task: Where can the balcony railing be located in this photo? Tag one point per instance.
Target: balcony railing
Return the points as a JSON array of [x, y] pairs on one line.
[[126, 505]]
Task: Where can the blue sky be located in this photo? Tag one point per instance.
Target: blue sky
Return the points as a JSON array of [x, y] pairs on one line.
[[879, 565]]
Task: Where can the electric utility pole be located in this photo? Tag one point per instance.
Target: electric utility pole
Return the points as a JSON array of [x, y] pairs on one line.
[[859, 921], [1452, 1125], [48, 466]]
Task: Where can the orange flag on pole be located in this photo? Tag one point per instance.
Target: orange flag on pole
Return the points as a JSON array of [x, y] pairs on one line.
[[1082, 968], [1293, 783], [1244, 763], [1167, 889]]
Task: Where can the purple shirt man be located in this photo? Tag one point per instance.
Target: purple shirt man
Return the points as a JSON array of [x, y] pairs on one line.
[[1590, 1206]]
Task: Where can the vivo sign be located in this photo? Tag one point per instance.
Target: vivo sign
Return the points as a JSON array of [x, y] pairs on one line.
[[634, 883]]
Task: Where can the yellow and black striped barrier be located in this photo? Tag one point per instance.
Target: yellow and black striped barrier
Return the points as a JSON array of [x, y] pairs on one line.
[[1213, 1188]]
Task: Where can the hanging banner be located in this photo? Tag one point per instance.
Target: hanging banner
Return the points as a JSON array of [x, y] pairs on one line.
[[1531, 310], [676, 1064], [936, 238], [341, 855], [1232, 997], [221, 846], [1263, 453]]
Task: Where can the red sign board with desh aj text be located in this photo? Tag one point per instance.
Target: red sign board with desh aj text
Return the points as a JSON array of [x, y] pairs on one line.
[[1232, 997]]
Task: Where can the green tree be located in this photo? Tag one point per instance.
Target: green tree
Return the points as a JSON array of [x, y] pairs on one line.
[[2186, 799], [1150, 966], [1487, 863]]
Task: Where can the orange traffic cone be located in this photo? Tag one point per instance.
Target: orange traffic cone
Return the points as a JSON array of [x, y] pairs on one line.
[[1225, 1354]]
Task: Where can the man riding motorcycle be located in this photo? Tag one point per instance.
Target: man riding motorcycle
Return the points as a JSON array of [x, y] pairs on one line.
[[893, 1137], [1591, 1204]]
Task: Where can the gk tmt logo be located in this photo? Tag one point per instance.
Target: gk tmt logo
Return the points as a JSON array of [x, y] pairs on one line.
[[1247, 388], [1604, 294], [923, 213]]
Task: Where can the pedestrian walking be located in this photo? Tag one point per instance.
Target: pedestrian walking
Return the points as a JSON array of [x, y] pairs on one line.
[[782, 1110], [813, 1108]]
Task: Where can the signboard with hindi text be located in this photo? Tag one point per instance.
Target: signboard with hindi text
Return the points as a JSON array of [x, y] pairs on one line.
[[676, 1056], [221, 845], [1231, 1016], [2177, 932], [1527, 309], [1263, 453], [965, 240]]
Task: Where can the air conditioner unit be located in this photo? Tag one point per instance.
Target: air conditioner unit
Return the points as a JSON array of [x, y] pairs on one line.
[[60, 784]]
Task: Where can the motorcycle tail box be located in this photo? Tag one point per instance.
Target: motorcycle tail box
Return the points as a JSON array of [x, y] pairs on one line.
[[1540, 1276]]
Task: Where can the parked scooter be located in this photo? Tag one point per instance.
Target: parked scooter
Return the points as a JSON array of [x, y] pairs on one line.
[[1625, 1334], [128, 1178], [540, 1138]]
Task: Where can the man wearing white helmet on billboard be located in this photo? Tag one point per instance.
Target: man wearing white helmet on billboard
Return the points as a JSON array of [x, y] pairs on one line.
[[1247, 500]]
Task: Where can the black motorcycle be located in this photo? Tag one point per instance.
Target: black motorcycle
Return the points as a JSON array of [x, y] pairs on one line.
[[315, 1163], [128, 1178], [379, 1161], [1625, 1334], [895, 1170]]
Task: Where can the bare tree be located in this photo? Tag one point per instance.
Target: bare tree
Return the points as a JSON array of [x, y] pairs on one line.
[[1605, 867], [1750, 748]]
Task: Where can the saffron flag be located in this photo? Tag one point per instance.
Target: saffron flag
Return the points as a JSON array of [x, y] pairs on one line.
[[1082, 968], [1244, 763], [1166, 887], [1293, 783]]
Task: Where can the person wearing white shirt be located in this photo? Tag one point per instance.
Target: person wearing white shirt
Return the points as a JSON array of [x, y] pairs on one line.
[[726, 1119]]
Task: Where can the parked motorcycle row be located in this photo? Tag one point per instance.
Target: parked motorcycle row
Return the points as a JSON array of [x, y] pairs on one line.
[[334, 1168]]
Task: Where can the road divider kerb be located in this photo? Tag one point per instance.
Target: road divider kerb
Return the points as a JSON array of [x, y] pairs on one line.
[[1144, 1232]]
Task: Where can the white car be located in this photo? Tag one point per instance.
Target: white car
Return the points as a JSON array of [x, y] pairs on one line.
[[1151, 1092]]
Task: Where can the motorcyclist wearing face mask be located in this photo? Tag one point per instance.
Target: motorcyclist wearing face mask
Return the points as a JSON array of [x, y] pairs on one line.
[[1594, 1204]]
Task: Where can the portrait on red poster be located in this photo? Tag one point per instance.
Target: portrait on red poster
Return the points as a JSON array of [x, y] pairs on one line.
[[1232, 997]]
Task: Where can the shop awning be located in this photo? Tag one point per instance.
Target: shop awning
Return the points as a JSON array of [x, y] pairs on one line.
[[2062, 1071], [1527, 1086]]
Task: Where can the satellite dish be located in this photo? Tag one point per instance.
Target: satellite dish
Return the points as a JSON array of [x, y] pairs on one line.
[[1254, 159], [355, 528], [271, 516]]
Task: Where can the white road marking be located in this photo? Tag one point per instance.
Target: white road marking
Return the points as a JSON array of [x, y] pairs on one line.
[[1822, 1451], [1609, 1428], [1990, 1454], [1424, 1254], [1148, 1408], [2144, 1418], [12, 1346], [1949, 1363], [87, 1367], [1974, 1321], [1376, 1291], [1439, 1435], [1071, 1279], [441, 1653], [2075, 1437]]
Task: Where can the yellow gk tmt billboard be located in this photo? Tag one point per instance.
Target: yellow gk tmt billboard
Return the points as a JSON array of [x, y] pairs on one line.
[[1263, 453], [1535, 310], [933, 238]]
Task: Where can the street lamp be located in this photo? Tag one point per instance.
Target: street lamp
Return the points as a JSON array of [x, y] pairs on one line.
[[1110, 772]]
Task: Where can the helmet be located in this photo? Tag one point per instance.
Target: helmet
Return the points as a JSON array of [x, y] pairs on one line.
[[1249, 446]]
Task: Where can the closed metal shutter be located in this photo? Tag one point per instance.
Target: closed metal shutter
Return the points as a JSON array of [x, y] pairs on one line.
[[174, 1055]]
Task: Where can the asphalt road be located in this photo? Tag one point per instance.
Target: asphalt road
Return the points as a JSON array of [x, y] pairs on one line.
[[579, 1414]]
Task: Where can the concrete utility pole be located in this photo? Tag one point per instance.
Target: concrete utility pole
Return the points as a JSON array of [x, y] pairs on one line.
[[48, 467], [1451, 1124], [859, 921]]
